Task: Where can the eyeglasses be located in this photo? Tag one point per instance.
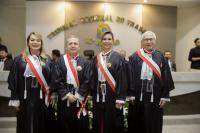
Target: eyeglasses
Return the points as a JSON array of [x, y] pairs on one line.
[[148, 39]]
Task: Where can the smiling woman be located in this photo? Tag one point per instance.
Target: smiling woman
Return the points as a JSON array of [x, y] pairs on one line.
[[28, 82], [34, 41]]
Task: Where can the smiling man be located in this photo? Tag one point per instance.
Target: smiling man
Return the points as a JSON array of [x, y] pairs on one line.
[[150, 84], [70, 78]]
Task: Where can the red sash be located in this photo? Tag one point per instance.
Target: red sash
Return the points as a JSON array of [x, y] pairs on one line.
[[149, 62], [71, 69], [37, 74], [109, 78], [82, 108]]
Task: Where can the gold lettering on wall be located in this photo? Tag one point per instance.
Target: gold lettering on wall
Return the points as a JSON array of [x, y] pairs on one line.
[[95, 18]]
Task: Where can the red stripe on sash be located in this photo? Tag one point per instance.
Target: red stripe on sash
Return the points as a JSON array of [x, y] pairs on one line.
[[149, 64], [37, 75], [82, 107], [73, 70], [105, 74]]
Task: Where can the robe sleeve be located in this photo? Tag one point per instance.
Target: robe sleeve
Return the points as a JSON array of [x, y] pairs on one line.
[[58, 78], [131, 80], [47, 71], [121, 80], [13, 80], [86, 79], [94, 74], [190, 55], [13, 83], [167, 81]]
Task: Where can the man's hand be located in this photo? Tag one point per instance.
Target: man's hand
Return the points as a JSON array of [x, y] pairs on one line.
[[53, 100], [118, 105], [71, 98], [162, 103], [17, 108]]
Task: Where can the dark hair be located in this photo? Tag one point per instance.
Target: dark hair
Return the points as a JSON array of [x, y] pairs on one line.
[[167, 51], [107, 32], [56, 52], [88, 53], [195, 41], [3, 48]]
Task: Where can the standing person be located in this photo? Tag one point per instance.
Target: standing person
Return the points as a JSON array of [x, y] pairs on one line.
[[3, 46], [55, 55], [109, 80], [123, 53], [194, 56], [71, 79], [172, 64], [5, 60], [28, 82], [150, 85], [53, 98]]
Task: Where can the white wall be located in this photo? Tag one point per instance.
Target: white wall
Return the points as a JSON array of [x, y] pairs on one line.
[[12, 25], [129, 37], [188, 28], [44, 17]]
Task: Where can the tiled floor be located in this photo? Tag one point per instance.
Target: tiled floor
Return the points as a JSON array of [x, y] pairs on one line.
[[194, 128], [191, 128], [172, 124]]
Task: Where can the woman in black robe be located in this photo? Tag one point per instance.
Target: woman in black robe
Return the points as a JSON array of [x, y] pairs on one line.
[[108, 101], [149, 88], [27, 95]]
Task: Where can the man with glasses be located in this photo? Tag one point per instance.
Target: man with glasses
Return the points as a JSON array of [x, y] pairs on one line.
[[150, 83]]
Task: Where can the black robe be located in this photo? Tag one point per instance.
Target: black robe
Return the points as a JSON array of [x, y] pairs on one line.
[[8, 64], [146, 116], [67, 115], [106, 117], [52, 109], [31, 118]]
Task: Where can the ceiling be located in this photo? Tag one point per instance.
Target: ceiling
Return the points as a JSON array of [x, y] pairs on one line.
[[178, 3]]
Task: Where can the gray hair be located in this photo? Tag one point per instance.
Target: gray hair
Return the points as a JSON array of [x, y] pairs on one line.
[[148, 33], [71, 37]]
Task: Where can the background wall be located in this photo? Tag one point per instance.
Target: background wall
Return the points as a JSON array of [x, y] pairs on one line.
[[188, 28], [129, 37], [162, 20], [12, 25], [20, 17], [44, 17]]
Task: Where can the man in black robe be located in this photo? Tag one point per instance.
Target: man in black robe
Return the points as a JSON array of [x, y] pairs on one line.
[[151, 83], [108, 91], [71, 81]]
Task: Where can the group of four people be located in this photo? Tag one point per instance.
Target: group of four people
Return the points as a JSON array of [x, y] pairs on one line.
[[144, 81]]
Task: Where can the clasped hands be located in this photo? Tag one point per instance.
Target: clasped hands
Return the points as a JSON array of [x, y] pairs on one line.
[[71, 98]]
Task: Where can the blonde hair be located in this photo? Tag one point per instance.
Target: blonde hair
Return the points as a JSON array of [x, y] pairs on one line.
[[43, 55]]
